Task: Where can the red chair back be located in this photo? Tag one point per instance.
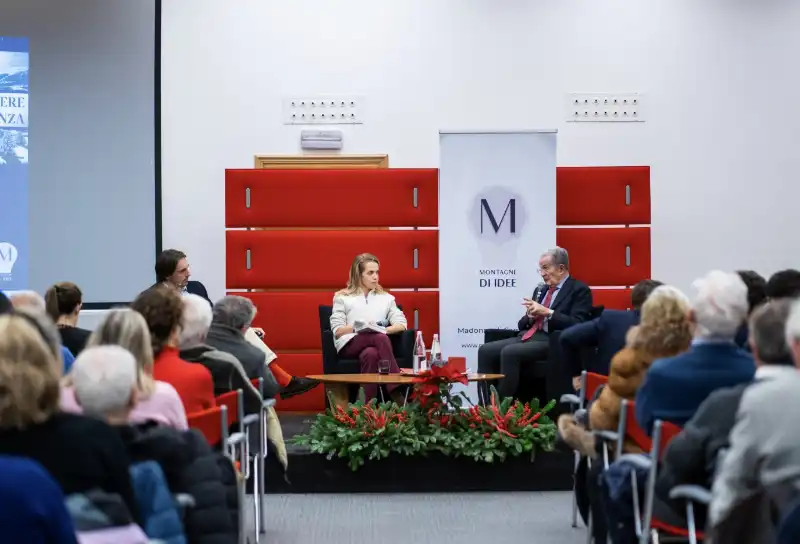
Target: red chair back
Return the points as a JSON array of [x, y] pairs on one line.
[[633, 432], [593, 383], [668, 432], [211, 423], [231, 401]]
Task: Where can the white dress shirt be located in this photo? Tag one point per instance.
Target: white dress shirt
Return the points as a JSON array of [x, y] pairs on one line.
[[374, 307]]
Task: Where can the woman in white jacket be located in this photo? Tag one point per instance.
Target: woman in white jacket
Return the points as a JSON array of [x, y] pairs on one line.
[[364, 300]]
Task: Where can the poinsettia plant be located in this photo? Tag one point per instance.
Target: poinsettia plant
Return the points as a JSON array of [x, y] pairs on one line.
[[436, 422]]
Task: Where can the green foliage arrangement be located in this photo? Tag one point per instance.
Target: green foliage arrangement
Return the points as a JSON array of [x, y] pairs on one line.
[[436, 421]]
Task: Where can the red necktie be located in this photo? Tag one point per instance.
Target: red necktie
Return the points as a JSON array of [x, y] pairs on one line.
[[539, 322]]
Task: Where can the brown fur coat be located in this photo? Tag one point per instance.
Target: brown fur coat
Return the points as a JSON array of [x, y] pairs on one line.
[[628, 369]]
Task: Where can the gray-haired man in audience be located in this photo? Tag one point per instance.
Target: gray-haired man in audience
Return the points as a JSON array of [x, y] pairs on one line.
[[233, 316], [764, 456], [225, 369]]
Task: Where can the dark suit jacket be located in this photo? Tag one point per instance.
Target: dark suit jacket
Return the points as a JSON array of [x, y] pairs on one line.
[[197, 288], [573, 305], [675, 387], [606, 333], [232, 341]]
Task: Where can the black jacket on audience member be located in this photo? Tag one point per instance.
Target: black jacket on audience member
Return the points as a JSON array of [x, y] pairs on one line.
[[191, 466], [606, 333], [81, 453], [74, 338]]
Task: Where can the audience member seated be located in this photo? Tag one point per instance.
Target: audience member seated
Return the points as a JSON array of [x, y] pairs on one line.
[[34, 302], [784, 284], [232, 318], [606, 333], [80, 453], [105, 385], [173, 272], [365, 301], [756, 295], [155, 400], [162, 310], [761, 469], [560, 302], [226, 370], [675, 387], [32, 509], [664, 331], [691, 457], [63, 302]]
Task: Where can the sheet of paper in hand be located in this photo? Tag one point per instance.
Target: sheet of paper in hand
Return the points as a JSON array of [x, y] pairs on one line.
[[363, 326]]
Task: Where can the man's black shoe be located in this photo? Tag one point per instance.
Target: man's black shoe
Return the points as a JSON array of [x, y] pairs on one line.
[[298, 386]]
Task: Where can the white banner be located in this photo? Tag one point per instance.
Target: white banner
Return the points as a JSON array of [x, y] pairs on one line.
[[497, 214]]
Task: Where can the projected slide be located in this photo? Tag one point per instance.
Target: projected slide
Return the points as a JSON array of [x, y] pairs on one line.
[[13, 163]]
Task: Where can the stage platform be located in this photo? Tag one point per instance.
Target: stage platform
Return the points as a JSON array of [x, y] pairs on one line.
[[313, 473]]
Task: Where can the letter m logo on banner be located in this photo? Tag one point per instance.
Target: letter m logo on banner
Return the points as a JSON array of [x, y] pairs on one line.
[[510, 211]]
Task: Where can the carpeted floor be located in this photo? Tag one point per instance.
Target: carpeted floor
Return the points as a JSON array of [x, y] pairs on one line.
[[466, 518]]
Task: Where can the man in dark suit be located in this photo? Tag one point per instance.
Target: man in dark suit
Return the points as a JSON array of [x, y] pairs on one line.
[[560, 302], [606, 333]]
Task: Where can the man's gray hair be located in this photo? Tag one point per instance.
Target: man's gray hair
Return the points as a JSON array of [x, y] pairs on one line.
[[559, 256], [793, 323], [720, 304], [104, 378], [235, 312], [29, 299], [196, 321], [768, 332]]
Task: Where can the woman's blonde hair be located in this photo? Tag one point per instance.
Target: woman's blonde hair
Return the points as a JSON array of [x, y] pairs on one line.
[[356, 270], [127, 328], [29, 371], [664, 329]]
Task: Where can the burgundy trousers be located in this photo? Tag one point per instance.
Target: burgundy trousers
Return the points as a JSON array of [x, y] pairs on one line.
[[369, 348]]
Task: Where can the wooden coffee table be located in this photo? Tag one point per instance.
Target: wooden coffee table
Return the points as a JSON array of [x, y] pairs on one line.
[[337, 383]]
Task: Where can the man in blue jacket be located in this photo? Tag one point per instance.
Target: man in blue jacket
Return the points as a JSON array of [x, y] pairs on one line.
[[605, 333], [674, 387]]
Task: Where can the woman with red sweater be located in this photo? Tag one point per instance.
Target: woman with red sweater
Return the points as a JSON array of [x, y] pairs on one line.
[[162, 309]]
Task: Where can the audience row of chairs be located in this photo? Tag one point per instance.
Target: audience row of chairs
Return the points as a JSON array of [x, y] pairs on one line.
[[216, 423]]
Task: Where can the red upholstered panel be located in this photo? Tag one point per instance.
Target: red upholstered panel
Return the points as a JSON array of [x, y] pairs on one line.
[[322, 258], [427, 304], [379, 197], [596, 195], [597, 255], [612, 299], [290, 319], [302, 364]]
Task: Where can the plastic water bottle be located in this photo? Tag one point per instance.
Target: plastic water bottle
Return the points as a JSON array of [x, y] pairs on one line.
[[436, 352], [420, 360]]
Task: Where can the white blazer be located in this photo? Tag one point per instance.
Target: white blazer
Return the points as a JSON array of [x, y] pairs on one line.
[[347, 309]]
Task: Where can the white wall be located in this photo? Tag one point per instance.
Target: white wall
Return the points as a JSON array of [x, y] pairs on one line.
[[723, 118]]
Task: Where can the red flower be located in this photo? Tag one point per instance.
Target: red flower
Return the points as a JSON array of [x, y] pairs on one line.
[[429, 382]]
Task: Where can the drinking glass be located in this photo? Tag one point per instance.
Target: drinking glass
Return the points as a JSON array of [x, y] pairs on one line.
[[384, 366]]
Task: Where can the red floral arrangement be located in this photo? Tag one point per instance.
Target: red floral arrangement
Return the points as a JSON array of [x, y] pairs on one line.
[[436, 422]]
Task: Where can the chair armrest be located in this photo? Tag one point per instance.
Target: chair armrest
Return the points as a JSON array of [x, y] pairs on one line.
[[492, 335], [608, 436], [250, 419], [693, 493], [330, 357], [569, 398], [638, 460], [268, 403], [184, 500], [403, 347], [235, 439]]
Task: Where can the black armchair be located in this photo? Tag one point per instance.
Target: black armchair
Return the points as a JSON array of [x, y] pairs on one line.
[[558, 381], [402, 346]]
